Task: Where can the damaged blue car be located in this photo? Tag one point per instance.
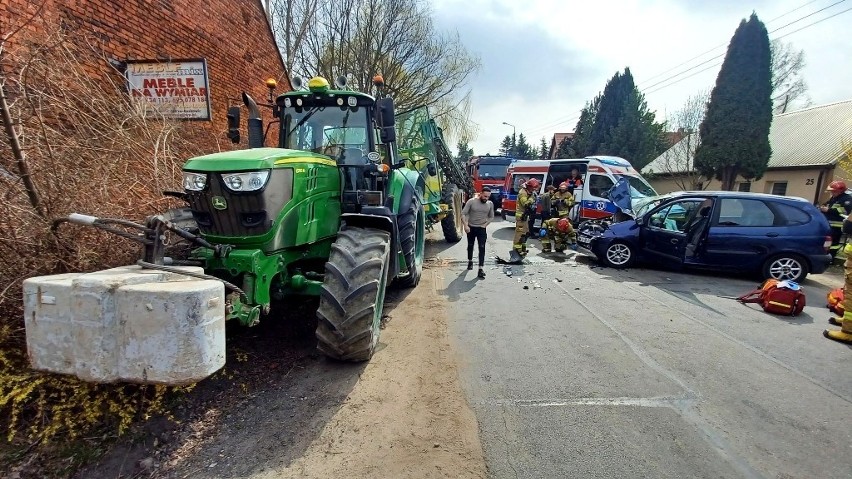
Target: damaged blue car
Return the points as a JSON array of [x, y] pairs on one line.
[[774, 236]]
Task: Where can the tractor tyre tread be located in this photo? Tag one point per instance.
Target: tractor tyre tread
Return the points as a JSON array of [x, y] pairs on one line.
[[408, 244], [449, 225], [352, 294]]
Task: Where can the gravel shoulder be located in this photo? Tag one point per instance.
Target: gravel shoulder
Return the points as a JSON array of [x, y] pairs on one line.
[[280, 410]]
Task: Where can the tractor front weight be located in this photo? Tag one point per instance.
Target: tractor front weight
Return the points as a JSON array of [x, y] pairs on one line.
[[261, 277]]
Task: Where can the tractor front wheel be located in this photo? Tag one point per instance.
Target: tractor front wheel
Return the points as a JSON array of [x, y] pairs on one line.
[[353, 294], [452, 224]]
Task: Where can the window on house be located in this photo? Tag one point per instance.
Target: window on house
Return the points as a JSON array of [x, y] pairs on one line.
[[744, 186], [779, 188]]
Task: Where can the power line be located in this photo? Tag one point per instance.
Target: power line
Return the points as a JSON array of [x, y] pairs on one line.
[[779, 17], [814, 23], [722, 45], [566, 119], [808, 15], [685, 71], [666, 82], [723, 54], [684, 78], [541, 129], [648, 92]]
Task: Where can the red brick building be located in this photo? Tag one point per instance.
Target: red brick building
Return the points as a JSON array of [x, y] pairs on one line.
[[234, 39]]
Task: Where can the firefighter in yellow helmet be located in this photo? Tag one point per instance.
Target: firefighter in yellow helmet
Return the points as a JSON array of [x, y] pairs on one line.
[[837, 207], [560, 233], [563, 199], [524, 210], [845, 322]]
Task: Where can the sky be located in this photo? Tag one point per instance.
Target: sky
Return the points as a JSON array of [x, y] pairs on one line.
[[542, 60]]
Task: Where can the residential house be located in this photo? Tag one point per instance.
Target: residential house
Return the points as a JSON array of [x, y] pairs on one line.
[[556, 141], [808, 149]]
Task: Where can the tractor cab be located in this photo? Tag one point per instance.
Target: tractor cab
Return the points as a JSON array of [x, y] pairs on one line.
[[353, 129]]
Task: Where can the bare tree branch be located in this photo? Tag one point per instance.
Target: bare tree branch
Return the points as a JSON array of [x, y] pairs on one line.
[[677, 161], [788, 86], [395, 38]]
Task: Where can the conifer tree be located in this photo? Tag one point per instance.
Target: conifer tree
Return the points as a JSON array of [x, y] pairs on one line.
[[735, 131]]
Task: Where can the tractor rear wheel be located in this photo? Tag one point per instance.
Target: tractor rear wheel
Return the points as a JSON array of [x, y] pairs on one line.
[[353, 294], [452, 223], [412, 240]]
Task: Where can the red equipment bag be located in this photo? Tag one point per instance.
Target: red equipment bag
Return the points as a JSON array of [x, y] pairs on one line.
[[776, 300], [835, 301]]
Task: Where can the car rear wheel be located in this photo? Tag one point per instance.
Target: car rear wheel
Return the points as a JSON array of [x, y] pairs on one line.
[[618, 255], [786, 267]]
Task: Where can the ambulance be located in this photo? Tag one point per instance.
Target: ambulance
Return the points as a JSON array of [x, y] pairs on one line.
[[599, 175]]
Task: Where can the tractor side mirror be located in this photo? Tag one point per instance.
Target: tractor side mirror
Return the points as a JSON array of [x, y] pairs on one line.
[[387, 120], [234, 124]]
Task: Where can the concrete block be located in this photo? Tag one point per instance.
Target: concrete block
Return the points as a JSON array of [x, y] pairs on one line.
[[47, 319], [126, 324], [170, 332]]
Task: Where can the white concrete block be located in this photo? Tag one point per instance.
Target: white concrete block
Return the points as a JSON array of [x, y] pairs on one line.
[[47, 319], [171, 332], [102, 326]]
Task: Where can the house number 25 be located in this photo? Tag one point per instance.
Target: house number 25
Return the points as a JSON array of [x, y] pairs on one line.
[[809, 181]]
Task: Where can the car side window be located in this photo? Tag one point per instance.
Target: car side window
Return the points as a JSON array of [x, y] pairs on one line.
[[599, 185], [745, 212], [790, 215], [675, 216]]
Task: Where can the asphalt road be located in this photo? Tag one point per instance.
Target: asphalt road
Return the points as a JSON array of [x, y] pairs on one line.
[[594, 372]]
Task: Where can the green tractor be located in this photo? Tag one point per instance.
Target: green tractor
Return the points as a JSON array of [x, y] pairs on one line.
[[339, 210]]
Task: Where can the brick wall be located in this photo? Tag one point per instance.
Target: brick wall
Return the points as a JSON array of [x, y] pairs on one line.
[[233, 36]]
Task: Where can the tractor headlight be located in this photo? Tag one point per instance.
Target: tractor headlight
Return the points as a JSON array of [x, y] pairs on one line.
[[247, 181], [194, 181]]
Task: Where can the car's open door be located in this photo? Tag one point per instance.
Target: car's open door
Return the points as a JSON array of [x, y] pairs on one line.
[[664, 230]]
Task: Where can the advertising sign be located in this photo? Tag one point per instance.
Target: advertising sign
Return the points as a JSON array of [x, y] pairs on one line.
[[178, 88]]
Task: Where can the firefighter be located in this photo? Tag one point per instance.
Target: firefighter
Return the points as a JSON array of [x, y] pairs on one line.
[[845, 322], [560, 233], [563, 199], [838, 206], [524, 209]]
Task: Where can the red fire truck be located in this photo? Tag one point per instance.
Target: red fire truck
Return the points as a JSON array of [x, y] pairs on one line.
[[490, 171]]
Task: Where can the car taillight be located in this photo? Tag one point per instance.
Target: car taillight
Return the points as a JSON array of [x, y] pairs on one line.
[[827, 244]]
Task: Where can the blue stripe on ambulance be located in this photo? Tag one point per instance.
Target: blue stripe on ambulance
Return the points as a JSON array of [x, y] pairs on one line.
[[600, 205]]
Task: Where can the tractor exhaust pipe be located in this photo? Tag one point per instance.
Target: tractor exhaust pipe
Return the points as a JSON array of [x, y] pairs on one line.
[[255, 122]]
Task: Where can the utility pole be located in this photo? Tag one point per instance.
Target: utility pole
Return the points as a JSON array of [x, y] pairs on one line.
[[514, 140]]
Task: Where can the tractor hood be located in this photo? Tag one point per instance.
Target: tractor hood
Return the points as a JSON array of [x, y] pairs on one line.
[[253, 159]]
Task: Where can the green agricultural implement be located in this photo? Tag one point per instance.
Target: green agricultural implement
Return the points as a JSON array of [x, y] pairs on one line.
[[338, 210]]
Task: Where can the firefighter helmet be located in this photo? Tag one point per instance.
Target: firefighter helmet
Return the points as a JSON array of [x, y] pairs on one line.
[[563, 225], [837, 186], [533, 184], [563, 185]]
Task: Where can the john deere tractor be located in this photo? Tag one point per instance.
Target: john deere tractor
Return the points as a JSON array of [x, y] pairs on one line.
[[338, 210]]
